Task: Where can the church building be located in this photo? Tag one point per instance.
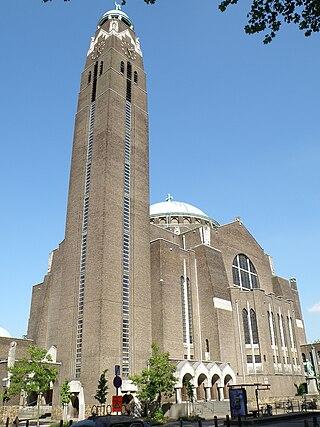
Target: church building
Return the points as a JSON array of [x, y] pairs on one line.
[[127, 274]]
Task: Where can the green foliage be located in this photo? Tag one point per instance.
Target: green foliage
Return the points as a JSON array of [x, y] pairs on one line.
[[33, 374], [158, 417], [189, 388], [157, 379], [102, 390], [65, 393], [268, 15], [302, 389]]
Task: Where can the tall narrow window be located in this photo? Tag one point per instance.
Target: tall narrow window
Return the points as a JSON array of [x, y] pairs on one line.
[[184, 314], [89, 77], [101, 67], [270, 329], [135, 77], [281, 330], [292, 340], [285, 335], [254, 327], [246, 326], [190, 315], [207, 345], [274, 329], [122, 67], [186, 304]]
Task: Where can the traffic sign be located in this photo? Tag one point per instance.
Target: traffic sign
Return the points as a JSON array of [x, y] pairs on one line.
[[116, 403], [117, 382]]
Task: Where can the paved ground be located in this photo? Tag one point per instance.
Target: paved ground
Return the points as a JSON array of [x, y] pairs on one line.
[[305, 420]]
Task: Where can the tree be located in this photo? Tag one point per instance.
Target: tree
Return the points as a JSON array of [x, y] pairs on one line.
[[102, 390], [32, 375], [268, 15], [189, 389], [65, 395], [156, 379]]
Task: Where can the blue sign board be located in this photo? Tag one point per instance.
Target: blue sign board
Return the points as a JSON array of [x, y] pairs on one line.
[[238, 401]]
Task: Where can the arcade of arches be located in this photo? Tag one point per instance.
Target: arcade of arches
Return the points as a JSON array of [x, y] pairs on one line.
[[209, 381]]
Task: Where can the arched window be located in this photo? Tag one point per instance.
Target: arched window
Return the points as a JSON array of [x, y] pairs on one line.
[[89, 77], [254, 327], [135, 77], [122, 67], [101, 67], [243, 272], [303, 357], [246, 328]]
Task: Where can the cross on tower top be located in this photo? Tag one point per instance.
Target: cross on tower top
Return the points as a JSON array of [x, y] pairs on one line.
[[117, 6], [169, 197]]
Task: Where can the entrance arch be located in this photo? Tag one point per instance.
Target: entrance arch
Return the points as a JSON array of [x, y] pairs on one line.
[[187, 378], [214, 387], [202, 383], [227, 380]]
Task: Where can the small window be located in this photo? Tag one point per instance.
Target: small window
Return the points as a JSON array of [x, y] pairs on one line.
[[89, 77], [122, 67], [101, 67], [207, 345], [257, 358], [135, 77]]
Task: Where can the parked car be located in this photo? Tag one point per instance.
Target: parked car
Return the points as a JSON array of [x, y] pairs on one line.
[[111, 421]]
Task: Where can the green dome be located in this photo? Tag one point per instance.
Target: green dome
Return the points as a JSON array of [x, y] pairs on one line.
[[117, 14]]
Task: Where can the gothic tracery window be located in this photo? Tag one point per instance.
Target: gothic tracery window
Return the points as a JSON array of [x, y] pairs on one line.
[[243, 272]]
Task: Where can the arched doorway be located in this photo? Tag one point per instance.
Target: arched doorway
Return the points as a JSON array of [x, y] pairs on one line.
[[202, 383], [187, 385], [74, 399], [214, 387], [127, 404], [227, 380]]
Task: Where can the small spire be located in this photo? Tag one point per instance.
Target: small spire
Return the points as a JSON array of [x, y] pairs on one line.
[[117, 6], [169, 197]]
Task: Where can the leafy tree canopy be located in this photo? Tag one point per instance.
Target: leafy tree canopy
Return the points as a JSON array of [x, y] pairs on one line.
[[156, 379], [33, 375], [269, 15], [65, 393]]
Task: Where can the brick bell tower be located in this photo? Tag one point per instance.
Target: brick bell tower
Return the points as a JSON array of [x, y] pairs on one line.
[[94, 304]]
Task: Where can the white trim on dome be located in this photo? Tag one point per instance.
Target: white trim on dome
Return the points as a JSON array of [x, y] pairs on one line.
[[5, 333], [177, 208]]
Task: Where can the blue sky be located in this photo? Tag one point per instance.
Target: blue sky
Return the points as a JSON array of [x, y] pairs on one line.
[[234, 130]]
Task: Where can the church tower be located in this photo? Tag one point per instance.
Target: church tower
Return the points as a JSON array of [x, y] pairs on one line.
[[94, 304]]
